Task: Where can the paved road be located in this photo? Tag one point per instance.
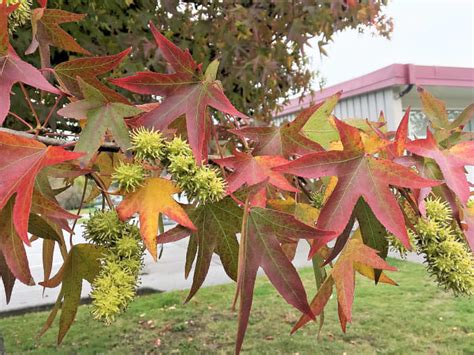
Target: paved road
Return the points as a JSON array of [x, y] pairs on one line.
[[165, 275]]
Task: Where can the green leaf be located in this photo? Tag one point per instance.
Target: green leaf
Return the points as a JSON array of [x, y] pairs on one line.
[[319, 128], [217, 226], [102, 116], [373, 232], [211, 72], [82, 263], [434, 109]]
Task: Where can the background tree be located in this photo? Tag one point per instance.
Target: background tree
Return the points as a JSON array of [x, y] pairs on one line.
[[260, 44]]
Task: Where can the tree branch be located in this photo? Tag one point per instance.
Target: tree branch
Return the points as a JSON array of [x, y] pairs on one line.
[[105, 147]]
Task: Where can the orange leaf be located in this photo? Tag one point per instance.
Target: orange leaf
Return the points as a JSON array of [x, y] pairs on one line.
[[154, 197]]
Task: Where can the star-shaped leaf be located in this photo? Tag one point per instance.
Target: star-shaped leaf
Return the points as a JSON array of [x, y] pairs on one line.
[[451, 161], [265, 230], [355, 256], [286, 140], [154, 197], [252, 170], [21, 159], [359, 175], [12, 247], [12, 68], [82, 263], [88, 69], [47, 32], [186, 92], [102, 116], [217, 227]]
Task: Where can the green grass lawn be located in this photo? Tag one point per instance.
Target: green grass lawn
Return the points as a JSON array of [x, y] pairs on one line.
[[415, 317]]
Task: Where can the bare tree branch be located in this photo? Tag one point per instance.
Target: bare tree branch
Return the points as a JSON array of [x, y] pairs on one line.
[[105, 147]]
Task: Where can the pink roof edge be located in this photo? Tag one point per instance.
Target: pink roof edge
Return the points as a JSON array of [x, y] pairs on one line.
[[392, 75]]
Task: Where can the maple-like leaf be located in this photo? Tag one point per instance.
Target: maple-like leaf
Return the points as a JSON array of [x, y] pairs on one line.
[[318, 127], [82, 263], [451, 161], [359, 175], [88, 69], [252, 170], [186, 92], [12, 247], [154, 197], [343, 277], [102, 115], [47, 32], [265, 230], [217, 226], [286, 140], [13, 69], [21, 159]]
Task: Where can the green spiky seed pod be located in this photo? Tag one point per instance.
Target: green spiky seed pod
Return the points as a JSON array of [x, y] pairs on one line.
[[112, 291], [446, 254], [207, 185], [178, 146], [182, 166], [20, 16], [148, 144], [127, 247], [103, 228], [201, 183], [129, 176], [115, 286], [397, 246]]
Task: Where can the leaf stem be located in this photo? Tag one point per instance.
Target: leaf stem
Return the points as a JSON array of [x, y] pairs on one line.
[[30, 105], [21, 120]]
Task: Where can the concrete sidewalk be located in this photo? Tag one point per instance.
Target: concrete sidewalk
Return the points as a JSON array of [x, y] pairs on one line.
[[165, 275]]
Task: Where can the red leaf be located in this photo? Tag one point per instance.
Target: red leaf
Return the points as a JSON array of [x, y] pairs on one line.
[[88, 69], [5, 10], [343, 277], [12, 248], [451, 161], [14, 70], [252, 170], [47, 32], [359, 175], [21, 159], [285, 140], [266, 229], [186, 92]]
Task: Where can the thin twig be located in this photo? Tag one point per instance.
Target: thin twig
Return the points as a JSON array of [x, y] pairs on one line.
[[78, 213], [52, 110], [28, 101], [101, 186]]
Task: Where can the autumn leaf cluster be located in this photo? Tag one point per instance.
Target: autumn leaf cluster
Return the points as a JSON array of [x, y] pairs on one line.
[[245, 192]]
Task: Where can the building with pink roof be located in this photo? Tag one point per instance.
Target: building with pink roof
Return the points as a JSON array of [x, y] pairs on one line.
[[392, 90]]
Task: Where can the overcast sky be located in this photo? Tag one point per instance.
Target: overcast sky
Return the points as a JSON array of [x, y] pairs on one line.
[[426, 32]]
